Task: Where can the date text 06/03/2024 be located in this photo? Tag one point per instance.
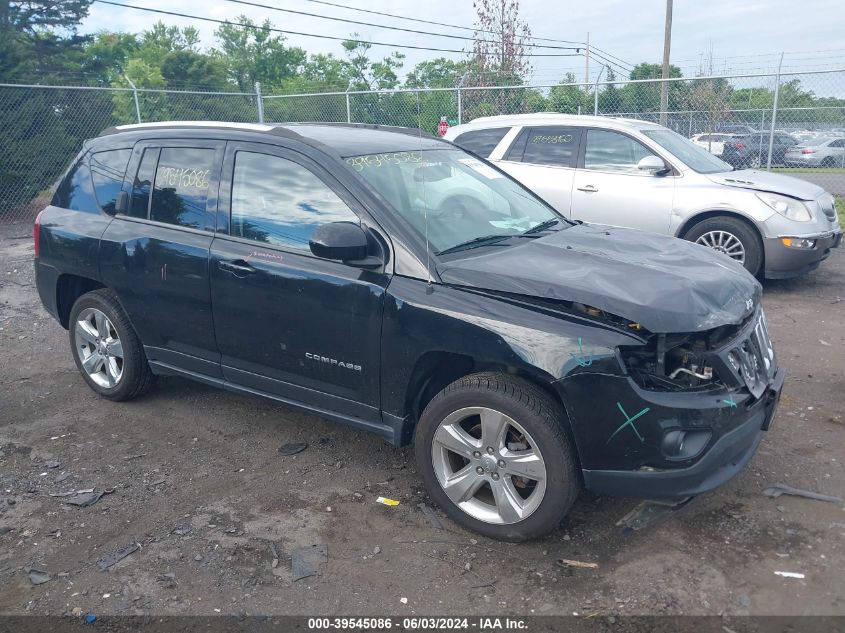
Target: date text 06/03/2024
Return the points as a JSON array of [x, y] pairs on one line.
[[424, 623]]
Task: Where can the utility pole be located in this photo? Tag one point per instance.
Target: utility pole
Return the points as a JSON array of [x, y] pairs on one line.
[[587, 66], [667, 44]]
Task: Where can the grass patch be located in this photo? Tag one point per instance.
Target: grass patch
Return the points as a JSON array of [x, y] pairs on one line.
[[840, 208], [809, 170]]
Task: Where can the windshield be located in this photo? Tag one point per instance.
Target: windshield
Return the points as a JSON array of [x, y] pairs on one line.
[[695, 157], [463, 199]]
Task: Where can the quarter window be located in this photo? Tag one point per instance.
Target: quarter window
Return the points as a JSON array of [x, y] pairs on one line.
[[481, 142], [76, 191], [280, 202], [556, 146], [612, 151], [180, 193], [107, 171]]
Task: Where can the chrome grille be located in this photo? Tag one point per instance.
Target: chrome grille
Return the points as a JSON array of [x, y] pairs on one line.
[[754, 358]]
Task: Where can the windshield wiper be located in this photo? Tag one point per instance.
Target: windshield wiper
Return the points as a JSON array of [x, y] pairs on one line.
[[541, 227], [482, 240]]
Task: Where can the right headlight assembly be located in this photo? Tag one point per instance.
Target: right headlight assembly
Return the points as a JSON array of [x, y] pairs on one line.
[[789, 208]]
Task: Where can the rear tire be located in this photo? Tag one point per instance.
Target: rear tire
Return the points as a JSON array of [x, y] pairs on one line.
[[732, 237], [476, 434], [105, 347], [829, 162]]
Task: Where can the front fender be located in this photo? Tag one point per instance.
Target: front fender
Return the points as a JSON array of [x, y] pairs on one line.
[[494, 331]]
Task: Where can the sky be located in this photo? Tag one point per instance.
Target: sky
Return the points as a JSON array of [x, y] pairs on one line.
[[745, 36]]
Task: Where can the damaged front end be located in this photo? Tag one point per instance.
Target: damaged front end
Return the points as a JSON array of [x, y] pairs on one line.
[[725, 358], [685, 416]]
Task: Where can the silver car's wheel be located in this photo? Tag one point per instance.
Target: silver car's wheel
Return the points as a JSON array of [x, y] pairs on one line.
[[754, 162], [488, 465], [724, 242], [99, 348]]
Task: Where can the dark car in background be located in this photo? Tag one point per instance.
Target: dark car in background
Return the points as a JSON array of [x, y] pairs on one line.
[[751, 151], [400, 285]]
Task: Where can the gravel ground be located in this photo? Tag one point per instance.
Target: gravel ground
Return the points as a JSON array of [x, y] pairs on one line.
[[196, 481]]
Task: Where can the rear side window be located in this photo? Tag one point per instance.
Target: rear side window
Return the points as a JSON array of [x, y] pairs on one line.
[[76, 191], [481, 142], [107, 171], [553, 145], [180, 190], [280, 202]]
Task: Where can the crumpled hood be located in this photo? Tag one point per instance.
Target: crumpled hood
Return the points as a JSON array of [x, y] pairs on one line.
[[766, 181], [663, 283]]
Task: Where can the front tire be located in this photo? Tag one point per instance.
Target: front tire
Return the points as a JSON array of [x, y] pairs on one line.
[[732, 237], [495, 456], [106, 349]]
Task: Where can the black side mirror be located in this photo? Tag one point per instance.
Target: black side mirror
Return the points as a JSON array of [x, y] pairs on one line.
[[343, 241], [121, 203]]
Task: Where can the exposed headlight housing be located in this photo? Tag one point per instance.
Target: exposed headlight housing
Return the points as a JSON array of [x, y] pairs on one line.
[[789, 208]]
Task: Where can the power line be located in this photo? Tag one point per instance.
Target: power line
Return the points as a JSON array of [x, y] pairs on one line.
[[386, 26], [300, 33], [422, 21], [626, 66]]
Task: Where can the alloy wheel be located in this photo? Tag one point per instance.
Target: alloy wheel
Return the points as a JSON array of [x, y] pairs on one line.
[[724, 242], [488, 465], [99, 347]]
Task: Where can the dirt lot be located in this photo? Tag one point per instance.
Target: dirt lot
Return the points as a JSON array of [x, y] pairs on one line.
[[199, 484]]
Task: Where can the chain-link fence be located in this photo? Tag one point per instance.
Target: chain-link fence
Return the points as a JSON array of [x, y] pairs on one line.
[[790, 122]]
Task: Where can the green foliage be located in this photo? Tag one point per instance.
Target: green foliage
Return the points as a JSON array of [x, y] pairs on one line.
[[570, 99], [105, 57], [436, 73], [252, 52], [159, 41], [365, 74], [645, 97]]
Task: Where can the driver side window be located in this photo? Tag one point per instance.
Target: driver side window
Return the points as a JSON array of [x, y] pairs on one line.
[[612, 151], [280, 202]]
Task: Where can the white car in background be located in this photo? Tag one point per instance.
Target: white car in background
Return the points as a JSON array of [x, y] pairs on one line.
[[713, 142], [624, 172]]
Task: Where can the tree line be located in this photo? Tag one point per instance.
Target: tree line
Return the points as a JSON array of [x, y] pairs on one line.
[[40, 43]]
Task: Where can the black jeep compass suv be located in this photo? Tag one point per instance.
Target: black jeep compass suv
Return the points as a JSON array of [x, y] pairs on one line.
[[401, 285]]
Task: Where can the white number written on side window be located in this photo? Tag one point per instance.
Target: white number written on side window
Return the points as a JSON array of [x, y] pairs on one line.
[[182, 177]]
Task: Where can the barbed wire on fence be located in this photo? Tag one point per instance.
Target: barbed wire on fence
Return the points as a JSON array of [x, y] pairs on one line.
[[45, 126]]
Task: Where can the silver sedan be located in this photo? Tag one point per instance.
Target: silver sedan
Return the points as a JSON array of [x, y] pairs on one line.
[[819, 152]]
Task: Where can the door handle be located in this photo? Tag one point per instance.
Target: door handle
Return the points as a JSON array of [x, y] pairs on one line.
[[237, 266], [588, 189]]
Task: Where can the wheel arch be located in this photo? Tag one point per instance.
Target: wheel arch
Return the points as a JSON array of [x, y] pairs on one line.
[[707, 214], [69, 288], [435, 370]]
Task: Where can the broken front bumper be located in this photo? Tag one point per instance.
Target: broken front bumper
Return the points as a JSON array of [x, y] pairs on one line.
[[718, 464], [636, 441]]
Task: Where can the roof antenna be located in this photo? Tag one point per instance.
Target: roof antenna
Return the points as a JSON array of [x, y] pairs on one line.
[[430, 287]]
